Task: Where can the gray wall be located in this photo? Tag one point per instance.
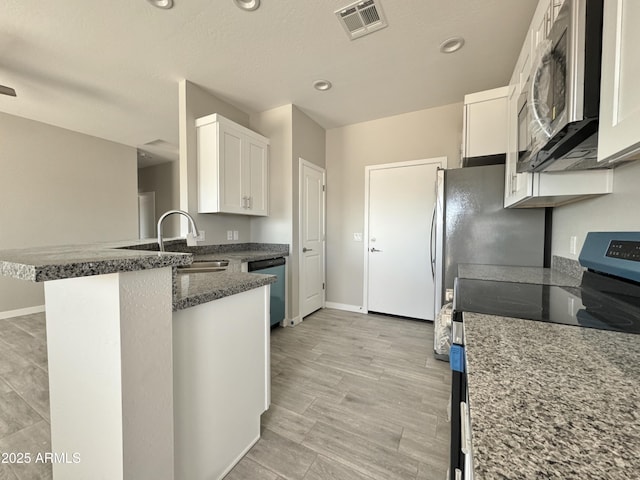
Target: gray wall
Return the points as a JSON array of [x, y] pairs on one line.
[[293, 135], [276, 125], [434, 132], [60, 187], [164, 180], [612, 212]]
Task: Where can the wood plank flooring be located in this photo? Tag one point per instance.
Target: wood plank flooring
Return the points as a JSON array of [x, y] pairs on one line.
[[353, 397], [24, 395]]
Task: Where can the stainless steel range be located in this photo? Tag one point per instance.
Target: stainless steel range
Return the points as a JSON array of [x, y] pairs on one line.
[[607, 299]]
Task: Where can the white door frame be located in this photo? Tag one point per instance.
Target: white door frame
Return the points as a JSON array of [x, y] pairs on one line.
[[365, 249], [303, 162]]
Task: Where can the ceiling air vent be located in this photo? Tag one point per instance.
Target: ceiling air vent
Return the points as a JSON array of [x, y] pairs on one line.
[[361, 18]]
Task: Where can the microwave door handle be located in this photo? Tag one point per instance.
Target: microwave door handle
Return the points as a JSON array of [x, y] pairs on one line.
[[545, 53]]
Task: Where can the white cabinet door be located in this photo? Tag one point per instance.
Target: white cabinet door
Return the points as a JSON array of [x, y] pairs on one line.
[[256, 181], [517, 185], [618, 135], [485, 119], [233, 168], [541, 24]]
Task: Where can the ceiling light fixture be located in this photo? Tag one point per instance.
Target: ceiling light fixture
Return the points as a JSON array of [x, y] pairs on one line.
[[248, 5], [164, 4], [452, 44], [322, 85]]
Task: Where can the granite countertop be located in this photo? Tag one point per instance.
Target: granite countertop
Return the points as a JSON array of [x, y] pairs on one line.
[[242, 256], [538, 275], [54, 263], [196, 288], [235, 253], [190, 289], [552, 401]]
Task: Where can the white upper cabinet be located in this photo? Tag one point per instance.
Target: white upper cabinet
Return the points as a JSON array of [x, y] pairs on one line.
[[233, 168], [485, 120], [619, 128]]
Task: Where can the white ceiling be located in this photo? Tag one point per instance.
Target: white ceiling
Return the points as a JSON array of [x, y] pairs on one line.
[[111, 68]]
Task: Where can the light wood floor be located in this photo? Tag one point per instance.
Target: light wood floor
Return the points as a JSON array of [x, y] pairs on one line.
[[353, 397]]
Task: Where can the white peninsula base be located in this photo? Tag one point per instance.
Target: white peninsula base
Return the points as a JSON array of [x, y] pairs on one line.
[[221, 382], [110, 375]]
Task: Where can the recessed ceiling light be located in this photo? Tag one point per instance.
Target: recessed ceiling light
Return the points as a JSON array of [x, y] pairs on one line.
[[248, 4], [165, 4], [322, 85], [452, 44]]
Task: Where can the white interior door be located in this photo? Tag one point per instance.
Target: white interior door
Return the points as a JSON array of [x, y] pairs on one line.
[[401, 199], [311, 238]]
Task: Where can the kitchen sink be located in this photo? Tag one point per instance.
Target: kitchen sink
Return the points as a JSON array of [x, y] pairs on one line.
[[203, 266]]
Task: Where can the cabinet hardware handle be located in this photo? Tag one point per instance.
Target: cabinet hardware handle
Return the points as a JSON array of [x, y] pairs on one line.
[[464, 430]]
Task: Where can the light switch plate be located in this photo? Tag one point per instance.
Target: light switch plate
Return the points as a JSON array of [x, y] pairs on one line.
[[573, 245], [235, 235], [229, 235], [357, 237]]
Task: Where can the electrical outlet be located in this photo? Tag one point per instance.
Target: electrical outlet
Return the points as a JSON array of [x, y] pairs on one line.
[[357, 237], [573, 245], [235, 235], [229, 235], [201, 236]]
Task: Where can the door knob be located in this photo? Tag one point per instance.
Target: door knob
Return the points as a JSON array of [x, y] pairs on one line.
[[375, 250], [305, 250]]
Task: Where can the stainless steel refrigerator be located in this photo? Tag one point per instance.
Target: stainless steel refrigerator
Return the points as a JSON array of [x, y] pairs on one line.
[[472, 226]]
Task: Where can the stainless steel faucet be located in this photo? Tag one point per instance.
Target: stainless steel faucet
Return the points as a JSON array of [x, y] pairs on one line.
[[194, 229]]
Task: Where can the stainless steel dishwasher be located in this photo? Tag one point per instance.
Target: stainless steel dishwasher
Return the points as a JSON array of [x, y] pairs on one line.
[[273, 266]]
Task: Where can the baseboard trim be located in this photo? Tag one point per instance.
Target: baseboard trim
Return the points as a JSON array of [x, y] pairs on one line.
[[292, 322], [21, 311], [346, 307]]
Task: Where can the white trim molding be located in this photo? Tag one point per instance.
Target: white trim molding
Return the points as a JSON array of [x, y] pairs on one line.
[[345, 307], [21, 311]]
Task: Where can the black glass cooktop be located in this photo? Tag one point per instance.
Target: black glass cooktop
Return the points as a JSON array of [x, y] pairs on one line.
[[601, 302]]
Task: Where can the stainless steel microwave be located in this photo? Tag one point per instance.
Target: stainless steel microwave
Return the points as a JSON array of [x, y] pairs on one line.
[[559, 105]]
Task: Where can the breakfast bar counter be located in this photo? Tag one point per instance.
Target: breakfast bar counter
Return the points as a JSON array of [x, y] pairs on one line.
[[127, 338]]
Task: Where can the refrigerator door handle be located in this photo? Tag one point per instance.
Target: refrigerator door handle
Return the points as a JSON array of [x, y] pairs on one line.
[[431, 257]]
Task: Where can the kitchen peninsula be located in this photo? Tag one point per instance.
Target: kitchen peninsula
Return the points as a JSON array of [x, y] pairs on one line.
[[126, 347]]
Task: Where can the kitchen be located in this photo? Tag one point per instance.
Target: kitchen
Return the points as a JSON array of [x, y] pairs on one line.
[[344, 152]]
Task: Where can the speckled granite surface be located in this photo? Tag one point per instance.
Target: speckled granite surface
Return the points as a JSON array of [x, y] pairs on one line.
[[235, 253], [53, 263], [539, 275], [552, 401], [180, 245], [280, 249], [567, 265], [196, 288]]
